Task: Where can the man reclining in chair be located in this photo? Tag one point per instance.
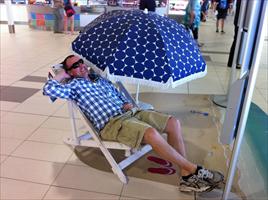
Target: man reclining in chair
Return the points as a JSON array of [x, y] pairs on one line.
[[116, 119]]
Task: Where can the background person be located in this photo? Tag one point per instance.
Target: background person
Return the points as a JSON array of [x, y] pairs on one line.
[[69, 16], [58, 11], [191, 18], [222, 7], [149, 4]]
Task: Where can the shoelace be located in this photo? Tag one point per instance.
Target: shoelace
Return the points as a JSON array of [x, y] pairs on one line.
[[204, 174]]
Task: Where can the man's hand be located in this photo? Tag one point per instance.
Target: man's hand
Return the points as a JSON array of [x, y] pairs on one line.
[[61, 76], [127, 106]]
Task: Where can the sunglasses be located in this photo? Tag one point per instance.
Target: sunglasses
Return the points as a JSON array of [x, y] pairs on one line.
[[76, 64]]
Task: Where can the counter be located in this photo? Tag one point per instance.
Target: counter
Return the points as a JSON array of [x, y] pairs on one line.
[[42, 17]]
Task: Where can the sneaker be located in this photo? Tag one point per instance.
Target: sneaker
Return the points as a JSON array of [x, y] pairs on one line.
[[193, 183], [223, 32], [217, 30], [210, 176]]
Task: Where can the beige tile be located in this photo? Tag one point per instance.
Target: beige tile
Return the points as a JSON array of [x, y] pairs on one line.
[[30, 170], [264, 93], [217, 195], [62, 112], [2, 158], [8, 145], [129, 198], [23, 119], [39, 105], [260, 101], [48, 135], [59, 123], [17, 132], [65, 193], [8, 106], [74, 160], [152, 190], [84, 178], [43, 151], [15, 189], [206, 88]]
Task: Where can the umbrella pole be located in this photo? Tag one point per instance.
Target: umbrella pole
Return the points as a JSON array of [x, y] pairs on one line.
[[142, 105], [137, 93]]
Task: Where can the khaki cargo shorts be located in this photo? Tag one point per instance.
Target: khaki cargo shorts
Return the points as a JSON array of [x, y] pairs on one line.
[[130, 127]]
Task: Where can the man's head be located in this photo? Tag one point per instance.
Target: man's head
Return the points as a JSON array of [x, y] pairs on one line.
[[75, 67]]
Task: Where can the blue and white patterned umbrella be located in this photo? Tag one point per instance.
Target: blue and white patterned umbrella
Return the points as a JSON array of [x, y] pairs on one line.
[[137, 47]]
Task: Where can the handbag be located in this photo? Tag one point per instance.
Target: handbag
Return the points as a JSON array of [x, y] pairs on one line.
[[69, 10]]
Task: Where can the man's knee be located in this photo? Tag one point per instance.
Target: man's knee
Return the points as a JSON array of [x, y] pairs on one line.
[[150, 134], [172, 122]]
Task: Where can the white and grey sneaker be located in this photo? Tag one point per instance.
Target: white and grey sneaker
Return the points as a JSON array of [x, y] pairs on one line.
[[203, 181], [193, 183], [211, 176]]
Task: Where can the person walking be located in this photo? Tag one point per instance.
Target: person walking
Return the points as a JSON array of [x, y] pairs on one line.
[[191, 18], [69, 16], [222, 7], [58, 11]]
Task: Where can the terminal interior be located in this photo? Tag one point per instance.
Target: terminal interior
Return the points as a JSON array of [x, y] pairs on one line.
[[36, 164]]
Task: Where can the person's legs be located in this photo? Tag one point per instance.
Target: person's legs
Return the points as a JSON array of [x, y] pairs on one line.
[[72, 24], [217, 25], [175, 139], [56, 20], [222, 25], [65, 24], [194, 178], [166, 151]]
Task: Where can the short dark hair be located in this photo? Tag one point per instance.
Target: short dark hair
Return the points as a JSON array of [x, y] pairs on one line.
[[64, 65]]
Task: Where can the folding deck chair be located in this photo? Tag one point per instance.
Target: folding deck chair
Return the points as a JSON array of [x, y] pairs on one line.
[[92, 139]]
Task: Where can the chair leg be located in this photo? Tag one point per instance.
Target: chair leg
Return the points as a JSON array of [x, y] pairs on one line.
[[115, 167]]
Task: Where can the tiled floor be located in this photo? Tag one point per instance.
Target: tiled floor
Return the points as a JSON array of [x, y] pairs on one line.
[[35, 164]]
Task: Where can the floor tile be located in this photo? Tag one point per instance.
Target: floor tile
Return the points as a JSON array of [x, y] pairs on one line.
[[7, 105], [59, 123], [205, 88], [15, 189], [62, 111], [38, 105], [2, 158], [17, 132], [128, 198], [16, 94], [65, 193], [73, 160], [264, 93], [30, 170], [8, 145], [43, 151], [23, 119], [47, 135], [152, 190], [83, 178]]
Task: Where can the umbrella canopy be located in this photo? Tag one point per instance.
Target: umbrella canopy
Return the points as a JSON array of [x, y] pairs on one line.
[[137, 47]]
